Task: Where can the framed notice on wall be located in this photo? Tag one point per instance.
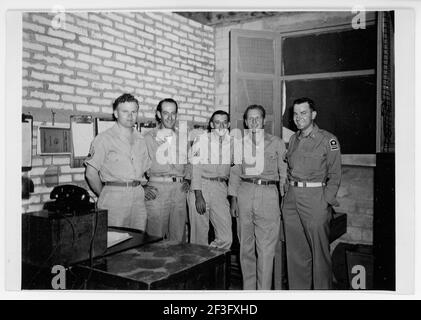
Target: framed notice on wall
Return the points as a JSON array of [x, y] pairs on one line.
[[27, 121], [82, 132]]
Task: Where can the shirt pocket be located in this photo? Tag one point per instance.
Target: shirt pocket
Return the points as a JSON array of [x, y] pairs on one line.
[[271, 163], [312, 161], [113, 156]]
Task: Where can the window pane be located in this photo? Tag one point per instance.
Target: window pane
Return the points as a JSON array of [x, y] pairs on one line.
[[330, 52], [256, 55], [252, 91], [345, 107]]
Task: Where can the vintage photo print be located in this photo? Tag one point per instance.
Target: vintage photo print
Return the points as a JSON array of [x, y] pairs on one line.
[[202, 151]]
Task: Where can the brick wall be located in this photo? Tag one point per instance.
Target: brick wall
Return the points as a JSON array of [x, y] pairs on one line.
[[356, 190], [81, 67]]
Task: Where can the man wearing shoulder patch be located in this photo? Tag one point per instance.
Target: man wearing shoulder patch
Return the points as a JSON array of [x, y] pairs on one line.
[[314, 175]]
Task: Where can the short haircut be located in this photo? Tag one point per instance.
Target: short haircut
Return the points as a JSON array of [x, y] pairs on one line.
[[304, 100], [159, 106], [252, 107], [217, 112], [127, 97]]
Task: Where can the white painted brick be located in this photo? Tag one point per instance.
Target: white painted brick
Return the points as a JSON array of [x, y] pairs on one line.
[[125, 74], [145, 78], [77, 47], [181, 34], [114, 64], [113, 47], [133, 23], [101, 86], [102, 36], [65, 178], [76, 29], [187, 80], [153, 86], [112, 79], [200, 119], [194, 38], [125, 43], [146, 49], [86, 24], [125, 58], [186, 28], [31, 103], [24, 92], [42, 20], [37, 172], [102, 53], [134, 39], [77, 82], [209, 29], [132, 83], [36, 162], [163, 55], [184, 117], [142, 18], [54, 69], [186, 67], [155, 73], [61, 34], [33, 27], [63, 53], [163, 68], [145, 35], [111, 95], [87, 92], [98, 101], [49, 59], [76, 64], [73, 98], [154, 16], [163, 41], [101, 19], [153, 30], [44, 95], [194, 112], [44, 76], [173, 37], [161, 26], [61, 88], [108, 110], [172, 64], [87, 108], [66, 169], [170, 90], [37, 66], [61, 160], [90, 42], [126, 89], [89, 58], [26, 54], [150, 57], [31, 83], [195, 75], [124, 27], [79, 177], [49, 40], [114, 16], [58, 105], [136, 54], [144, 92], [172, 77], [171, 22], [138, 70], [202, 83], [113, 32]]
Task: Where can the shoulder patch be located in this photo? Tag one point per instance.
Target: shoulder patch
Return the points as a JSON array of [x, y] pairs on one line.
[[333, 144]]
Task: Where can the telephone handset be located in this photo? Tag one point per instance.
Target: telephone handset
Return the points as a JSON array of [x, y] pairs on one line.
[[69, 199]]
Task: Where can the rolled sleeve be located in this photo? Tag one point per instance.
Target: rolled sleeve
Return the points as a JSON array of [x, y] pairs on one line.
[[97, 153]]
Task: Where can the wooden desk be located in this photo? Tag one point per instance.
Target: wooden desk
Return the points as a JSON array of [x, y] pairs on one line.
[[164, 265]]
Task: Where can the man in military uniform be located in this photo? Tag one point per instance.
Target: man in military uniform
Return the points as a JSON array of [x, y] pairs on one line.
[[166, 191], [314, 175], [117, 161], [255, 200], [211, 162]]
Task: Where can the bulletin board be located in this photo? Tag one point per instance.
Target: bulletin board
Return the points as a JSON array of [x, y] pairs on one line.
[[82, 130], [27, 123], [102, 124]]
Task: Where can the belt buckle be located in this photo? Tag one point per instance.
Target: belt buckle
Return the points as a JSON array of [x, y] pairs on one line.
[[259, 181], [304, 184]]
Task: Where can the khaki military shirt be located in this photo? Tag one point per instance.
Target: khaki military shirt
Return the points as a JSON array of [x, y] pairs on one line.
[[118, 159], [274, 167], [316, 158], [165, 162], [211, 157]]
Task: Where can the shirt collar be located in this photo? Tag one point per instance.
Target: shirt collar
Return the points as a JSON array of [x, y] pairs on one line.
[[313, 134]]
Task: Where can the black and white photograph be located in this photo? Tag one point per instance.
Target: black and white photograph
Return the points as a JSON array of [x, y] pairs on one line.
[[183, 150]]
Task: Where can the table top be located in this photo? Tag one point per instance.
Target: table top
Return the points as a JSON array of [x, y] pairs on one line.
[[157, 261]]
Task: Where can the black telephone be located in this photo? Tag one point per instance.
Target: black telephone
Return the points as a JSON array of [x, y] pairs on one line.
[[69, 200]]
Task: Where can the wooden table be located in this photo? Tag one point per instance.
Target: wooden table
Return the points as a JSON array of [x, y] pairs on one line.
[[163, 265]]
